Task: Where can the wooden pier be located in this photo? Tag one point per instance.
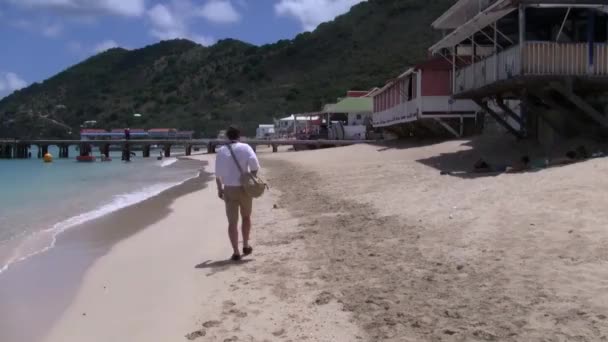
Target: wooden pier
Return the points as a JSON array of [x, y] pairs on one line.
[[20, 149]]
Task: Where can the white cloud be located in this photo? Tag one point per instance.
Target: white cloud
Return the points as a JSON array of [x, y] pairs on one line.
[[311, 13], [52, 31], [114, 7], [220, 11], [171, 21], [43, 27], [105, 45], [9, 82]]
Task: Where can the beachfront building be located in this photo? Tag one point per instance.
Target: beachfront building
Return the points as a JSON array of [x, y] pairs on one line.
[[420, 101], [162, 133], [350, 117], [265, 131], [551, 56], [303, 123]]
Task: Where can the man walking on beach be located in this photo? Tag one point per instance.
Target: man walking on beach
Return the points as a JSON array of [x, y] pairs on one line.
[[230, 189]]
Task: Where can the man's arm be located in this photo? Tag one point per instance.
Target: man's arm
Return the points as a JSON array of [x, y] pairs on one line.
[[220, 187], [219, 172], [253, 162]]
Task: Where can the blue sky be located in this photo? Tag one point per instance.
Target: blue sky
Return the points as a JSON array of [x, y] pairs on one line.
[[39, 38]]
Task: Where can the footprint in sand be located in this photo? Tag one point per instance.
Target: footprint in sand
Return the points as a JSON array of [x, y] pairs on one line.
[[278, 333], [196, 334], [212, 324], [238, 313], [228, 304]]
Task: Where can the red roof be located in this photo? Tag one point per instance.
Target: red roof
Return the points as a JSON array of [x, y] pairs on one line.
[[356, 93]]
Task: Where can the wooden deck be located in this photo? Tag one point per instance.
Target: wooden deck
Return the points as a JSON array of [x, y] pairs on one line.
[[535, 60]]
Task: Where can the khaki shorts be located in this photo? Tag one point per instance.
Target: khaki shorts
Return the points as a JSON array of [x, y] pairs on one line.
[[236, 198]]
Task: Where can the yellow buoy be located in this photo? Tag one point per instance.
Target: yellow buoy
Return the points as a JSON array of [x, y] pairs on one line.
[[48, 158]]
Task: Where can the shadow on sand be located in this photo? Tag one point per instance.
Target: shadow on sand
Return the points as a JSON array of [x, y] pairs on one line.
[[498, 152], [221, 265]]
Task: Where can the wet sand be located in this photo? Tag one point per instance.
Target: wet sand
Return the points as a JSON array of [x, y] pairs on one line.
[[35, 292]]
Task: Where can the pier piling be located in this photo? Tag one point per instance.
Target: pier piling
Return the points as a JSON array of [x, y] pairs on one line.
[[64, 151], [210, 148], [146, 151]]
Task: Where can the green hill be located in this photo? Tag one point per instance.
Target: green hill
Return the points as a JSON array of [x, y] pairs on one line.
[[184, 85]]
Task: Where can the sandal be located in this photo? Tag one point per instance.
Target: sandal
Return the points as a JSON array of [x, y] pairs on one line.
[[235, 257], [247, 250]]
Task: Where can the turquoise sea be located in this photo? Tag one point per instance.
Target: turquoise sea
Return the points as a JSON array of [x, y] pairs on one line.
[[39, 201]]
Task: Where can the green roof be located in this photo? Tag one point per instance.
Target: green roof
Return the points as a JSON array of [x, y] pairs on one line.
[[351, 105]]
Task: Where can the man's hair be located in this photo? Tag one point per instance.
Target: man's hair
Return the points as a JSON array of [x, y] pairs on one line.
[[233, 133]]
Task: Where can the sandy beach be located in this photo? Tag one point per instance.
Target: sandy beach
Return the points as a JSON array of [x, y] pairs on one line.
[[366, 243]]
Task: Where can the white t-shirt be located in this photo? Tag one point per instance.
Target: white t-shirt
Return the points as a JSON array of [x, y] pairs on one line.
[[226, 168]]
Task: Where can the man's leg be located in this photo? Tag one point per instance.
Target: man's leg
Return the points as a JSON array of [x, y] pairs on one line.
[[233, 233], [232, 212], [246, 228], [246, 210]]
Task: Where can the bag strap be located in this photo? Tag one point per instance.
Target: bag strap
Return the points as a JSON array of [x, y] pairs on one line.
[[236, 161]]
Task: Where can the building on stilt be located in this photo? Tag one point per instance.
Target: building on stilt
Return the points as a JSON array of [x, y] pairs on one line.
[[419, 103], [549, 58]]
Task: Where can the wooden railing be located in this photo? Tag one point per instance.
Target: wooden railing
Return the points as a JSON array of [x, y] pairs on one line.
[[535, 59], [546, 58], [401, 113], [492, 69]]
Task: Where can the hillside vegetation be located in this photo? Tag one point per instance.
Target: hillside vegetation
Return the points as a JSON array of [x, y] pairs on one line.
[[187, 86]]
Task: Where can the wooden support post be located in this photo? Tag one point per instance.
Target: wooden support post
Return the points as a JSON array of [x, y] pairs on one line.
[[483, 105], [572, 120], [275, 148], [85, 150], [522, 32], [146, 151], [546, 117], [508, 111], [188, 150], [44, 149], [105, 150], [126, 152], [448, 127], [64, 151], [580, 103]]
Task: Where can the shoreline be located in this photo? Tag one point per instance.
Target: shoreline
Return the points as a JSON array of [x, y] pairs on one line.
[[39, 288], [174, 281], [358, 243]]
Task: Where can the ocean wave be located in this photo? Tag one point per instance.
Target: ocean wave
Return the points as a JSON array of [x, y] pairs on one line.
[[168, 162], [42, 241]]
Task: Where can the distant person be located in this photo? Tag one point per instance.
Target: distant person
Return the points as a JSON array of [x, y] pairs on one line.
[[127, 133], [229, 188]]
